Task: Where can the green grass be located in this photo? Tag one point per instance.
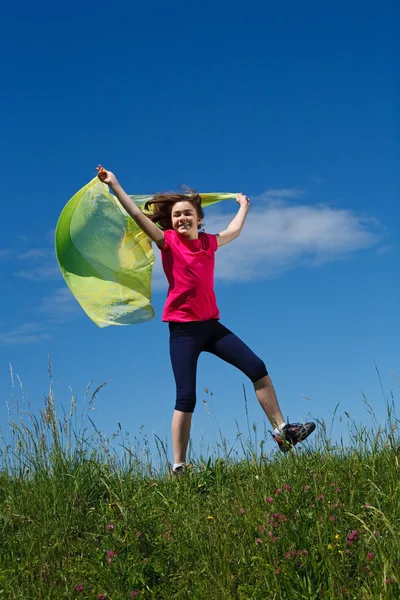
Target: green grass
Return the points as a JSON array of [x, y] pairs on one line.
[[78, 520]]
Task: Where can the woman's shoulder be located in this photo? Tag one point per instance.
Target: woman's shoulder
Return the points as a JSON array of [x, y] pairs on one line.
[[169, 238], [208, 240]]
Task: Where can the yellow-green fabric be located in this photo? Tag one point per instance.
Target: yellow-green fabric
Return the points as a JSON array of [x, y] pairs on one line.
[[105, 258]]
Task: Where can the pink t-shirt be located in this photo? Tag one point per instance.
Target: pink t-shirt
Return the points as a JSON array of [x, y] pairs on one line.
[[189, 267]]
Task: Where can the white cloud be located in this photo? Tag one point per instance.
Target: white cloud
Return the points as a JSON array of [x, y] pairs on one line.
[[279, 194], [284, 235], [26, 333]]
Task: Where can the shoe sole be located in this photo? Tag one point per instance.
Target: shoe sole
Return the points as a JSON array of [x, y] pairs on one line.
[[287, 445]]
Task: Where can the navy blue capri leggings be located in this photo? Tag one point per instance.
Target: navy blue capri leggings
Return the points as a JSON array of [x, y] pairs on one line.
[[188, 340]]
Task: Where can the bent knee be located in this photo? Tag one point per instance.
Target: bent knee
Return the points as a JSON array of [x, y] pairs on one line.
[[258, 372]]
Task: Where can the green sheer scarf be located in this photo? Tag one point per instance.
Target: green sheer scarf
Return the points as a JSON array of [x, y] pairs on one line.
[[105, 258]]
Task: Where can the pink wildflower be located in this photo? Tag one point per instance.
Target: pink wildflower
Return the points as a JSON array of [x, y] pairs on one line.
[[79, 588], [258, 541], [287, 487], [278, 570], [269, 499], [101, 597], [110, 555], [306, 488], [321, 497], [353, 535], [139, 534], [134, 593], [241, 511], [110, 527], [261, 528], [338, 490], [332, 518], [370, 556], [278, 491]]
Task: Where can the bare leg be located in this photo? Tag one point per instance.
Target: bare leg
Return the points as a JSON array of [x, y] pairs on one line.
[[181, 422], [266, 395]]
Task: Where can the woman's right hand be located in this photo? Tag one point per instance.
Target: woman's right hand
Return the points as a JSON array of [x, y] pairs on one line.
[[106, 176]]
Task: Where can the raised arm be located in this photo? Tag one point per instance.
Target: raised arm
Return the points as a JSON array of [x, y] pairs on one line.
[[154, 233], [236, 225]]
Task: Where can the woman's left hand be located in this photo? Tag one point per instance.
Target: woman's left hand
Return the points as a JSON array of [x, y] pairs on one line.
[[242, 200]]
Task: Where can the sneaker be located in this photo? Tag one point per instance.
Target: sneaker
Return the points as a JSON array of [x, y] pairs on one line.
[[178, 471], [292, 434]]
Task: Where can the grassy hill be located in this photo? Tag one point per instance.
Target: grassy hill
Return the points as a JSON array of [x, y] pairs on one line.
[[78, 520]]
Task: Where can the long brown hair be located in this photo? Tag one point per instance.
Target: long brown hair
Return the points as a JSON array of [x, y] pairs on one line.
[[159, 208]]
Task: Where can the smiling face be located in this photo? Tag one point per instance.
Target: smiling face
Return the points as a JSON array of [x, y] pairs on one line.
[[185, 219]]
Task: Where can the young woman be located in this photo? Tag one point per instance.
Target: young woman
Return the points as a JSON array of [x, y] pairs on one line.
[[188, 258]]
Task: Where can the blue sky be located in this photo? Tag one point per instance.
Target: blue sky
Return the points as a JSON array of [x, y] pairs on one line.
[[296, 107]]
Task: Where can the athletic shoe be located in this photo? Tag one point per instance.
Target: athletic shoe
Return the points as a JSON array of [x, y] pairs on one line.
[[178, 471], [292, 434]]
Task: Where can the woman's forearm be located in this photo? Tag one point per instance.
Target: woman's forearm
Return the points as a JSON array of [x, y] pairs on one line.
[[154, 232], [238, 221], [125, 200]]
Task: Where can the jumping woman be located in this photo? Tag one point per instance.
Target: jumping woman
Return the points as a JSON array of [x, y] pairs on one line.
[[188, 259]]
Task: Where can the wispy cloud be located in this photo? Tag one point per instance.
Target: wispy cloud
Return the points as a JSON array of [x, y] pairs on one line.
[[316, 180], [35, 253], [40, 273], [55, 308], [280, 194], [43, 265], [5, 254], [283, 235], [59, 304], [26, 333], [50, 235]]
